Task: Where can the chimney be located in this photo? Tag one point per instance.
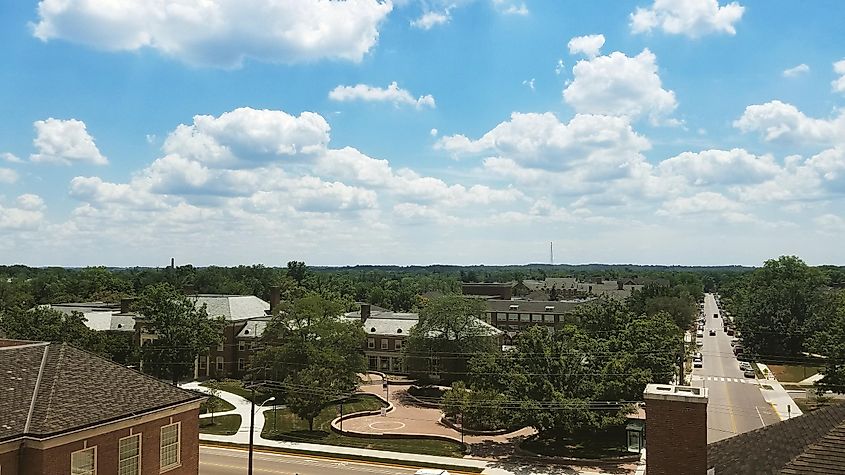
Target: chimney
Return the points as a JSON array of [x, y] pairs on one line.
[[126, 304], [275, 298], [620, 285], [172, 262], [365, 312], [676, 429]]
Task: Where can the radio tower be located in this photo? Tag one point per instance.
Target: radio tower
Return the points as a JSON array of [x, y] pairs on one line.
[[551, 252]]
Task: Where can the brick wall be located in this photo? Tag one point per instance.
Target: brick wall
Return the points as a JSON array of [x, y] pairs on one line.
[[676, 437], [9, 460], [56, 460]]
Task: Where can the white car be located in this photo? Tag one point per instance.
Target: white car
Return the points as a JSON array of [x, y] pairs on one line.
[[431, 471]]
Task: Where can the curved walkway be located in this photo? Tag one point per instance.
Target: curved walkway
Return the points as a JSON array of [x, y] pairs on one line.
[[242, 408], [409, 419]]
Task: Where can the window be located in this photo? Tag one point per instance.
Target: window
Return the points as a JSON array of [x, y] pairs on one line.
[[219, 361], [536, 317], [397, 344], [129, 455], [84, 462], [241, 364], [241, 345], [371, 343], [502, 317], [220, 347], [549, 318], [372, 361], [524, 317], [550, 308], [202, 362], [512, 317], [249, 346], [169, 446], [385, 343]]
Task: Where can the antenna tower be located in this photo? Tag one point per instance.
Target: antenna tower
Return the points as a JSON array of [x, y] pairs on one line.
[[551, 252]]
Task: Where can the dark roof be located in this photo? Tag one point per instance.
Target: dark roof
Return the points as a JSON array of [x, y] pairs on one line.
[[47, 389], [813, 443], [533, 306]]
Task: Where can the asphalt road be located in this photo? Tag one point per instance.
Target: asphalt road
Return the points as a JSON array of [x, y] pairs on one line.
[[220, 461], [736, 404]]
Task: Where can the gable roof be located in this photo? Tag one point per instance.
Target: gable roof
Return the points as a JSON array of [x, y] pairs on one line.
[[813, 443], [232, 307], [50, 389]]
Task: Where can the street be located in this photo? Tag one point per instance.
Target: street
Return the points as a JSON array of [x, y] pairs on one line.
[[223, 461], [736, 404]]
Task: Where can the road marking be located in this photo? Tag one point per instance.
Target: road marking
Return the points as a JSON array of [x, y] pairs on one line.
[[760, 416]]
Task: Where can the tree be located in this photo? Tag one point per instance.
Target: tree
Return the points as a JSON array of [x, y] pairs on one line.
[[45, 324], [450, 329], [553, 293], [182, 331], [829, 340], [775, 304], [213, 402], [297, 271], [311, 351]]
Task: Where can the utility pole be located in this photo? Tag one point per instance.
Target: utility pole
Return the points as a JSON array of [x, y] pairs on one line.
[[681, 362]]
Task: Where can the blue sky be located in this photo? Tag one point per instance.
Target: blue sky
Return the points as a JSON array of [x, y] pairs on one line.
[[415, 132]]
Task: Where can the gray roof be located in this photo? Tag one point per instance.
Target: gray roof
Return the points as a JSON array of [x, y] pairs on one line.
[[534, 306], [99, 316], [813, 443], [385, 322], [50, 388], [232, 307], [254, 328]]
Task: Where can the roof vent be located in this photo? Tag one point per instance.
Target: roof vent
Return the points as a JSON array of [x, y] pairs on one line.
[[246, 332], [373, 330], [120, 325], [399, 331]]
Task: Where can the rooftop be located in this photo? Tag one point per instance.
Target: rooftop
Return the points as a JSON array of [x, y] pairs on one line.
[[232, 307], [50, 388]]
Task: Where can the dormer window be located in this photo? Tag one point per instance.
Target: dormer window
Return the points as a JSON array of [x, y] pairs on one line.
[[550, 308], [373, 330], [513, 307], [246, 332], [399, 331]]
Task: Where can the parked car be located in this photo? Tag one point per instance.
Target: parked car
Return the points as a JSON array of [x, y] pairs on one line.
[[715, 315], [744, 365], [735, 342], [730, 331], [749, 373], [697, 364], [431, 471], [712, 332]]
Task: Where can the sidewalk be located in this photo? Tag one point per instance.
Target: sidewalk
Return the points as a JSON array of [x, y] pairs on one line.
[[779, 399], [242, 407]]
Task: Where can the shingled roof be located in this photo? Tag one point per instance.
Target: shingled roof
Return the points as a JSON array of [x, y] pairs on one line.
[[813, 443], [47, 389]]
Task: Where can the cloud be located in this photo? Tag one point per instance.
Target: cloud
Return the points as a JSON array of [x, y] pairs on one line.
[[10, 158], [777, 121], [617, 84], [559, 67], [516, 9], [8, 176], [65, 142], [692, 18], [392, 93], [433, 132], [589, 45], [593, 147], [706, 201], [529, 83], [830, 223], [221, 33], [247, 137], [796, 71], [26, 214], [721, 167], [430, 19], [838, 85]]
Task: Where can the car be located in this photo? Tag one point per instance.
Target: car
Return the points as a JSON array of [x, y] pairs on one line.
[[712, 332], [715, 315], [697, 364], [735, 342], [431, 471], [730, 332], [744, 365], [749, 373]]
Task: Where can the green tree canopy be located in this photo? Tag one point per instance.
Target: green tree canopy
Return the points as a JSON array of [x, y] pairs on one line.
[[183, 331]]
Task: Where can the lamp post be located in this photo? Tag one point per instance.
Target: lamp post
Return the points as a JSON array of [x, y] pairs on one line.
[[252, 423]]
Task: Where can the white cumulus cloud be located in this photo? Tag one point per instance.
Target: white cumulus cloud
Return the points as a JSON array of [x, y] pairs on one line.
[[219, 32], [617, 84], [796, 71], [779, 121], [10, 158], [721, 167], [838, 85], [692, 18], [65, 142], [430, 19], [589, 45], [8, 176], [392, 93]]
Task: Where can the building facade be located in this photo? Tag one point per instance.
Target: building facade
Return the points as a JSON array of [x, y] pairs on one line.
[[68, 412]]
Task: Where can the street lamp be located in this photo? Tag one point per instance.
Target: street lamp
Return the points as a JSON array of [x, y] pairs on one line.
[[252, 423]]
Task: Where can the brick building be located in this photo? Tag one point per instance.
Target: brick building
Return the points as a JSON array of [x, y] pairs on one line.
[[513, 316], [66, 411]]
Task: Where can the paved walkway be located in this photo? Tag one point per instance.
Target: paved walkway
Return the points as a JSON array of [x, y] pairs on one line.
[[780, 400], [500, 467]]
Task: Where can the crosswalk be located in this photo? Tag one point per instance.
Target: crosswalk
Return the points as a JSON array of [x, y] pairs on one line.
[[724, 380]]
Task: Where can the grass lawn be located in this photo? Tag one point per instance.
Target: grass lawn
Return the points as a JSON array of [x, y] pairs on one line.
[[609, 443], [792, 373], [222, 406], [223, 425], [290, 427]]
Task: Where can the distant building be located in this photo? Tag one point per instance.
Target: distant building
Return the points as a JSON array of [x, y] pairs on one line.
[[100, 316], [514, 316], [64, 411], [488, 290]]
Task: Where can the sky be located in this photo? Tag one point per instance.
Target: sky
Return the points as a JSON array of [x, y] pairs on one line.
[[228, 132]]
